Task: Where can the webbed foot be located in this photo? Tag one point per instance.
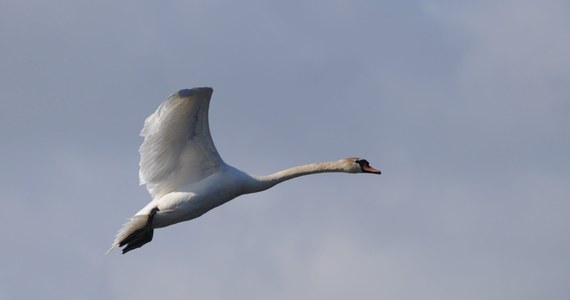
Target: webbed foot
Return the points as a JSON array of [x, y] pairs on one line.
[[140, 236]]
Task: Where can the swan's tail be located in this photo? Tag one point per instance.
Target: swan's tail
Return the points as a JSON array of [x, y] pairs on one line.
[[135, 233], [135, 223]]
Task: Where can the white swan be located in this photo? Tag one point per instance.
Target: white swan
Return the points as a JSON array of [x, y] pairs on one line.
[[185, 175]]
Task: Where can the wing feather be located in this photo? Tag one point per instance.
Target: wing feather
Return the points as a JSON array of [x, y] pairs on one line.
[[178, 149]]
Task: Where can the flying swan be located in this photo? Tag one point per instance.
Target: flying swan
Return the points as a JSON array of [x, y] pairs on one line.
[[186, 176]]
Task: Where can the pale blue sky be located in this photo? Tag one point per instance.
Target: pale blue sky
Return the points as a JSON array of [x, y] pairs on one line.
[[463, 105]]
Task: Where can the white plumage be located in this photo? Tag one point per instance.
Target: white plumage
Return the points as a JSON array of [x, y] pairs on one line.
[[177, 148], [186, 176]]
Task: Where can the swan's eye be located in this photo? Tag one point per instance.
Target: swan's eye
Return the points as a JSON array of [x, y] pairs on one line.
[[362, 162]]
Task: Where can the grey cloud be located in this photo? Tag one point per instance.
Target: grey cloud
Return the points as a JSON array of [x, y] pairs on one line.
[[462, 105]]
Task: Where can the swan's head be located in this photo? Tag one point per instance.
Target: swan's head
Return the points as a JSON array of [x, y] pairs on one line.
[[358, 165]]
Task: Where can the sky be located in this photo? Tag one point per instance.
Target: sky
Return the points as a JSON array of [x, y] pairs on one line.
[[463, 105]]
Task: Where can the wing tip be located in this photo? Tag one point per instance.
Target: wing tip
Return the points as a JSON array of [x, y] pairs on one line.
[[198, 91]]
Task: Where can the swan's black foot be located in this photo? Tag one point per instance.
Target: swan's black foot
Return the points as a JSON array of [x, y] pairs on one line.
[[140, 236]]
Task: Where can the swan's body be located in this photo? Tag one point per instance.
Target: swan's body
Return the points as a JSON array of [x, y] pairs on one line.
[[185, 175]]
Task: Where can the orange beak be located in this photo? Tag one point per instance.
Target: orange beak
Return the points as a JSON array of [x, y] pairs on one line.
[[369, 169]]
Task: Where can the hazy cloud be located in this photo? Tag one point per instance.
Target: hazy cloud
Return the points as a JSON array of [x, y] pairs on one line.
[[462, 105]]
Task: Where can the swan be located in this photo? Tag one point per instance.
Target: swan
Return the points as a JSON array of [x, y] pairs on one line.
[[186, 176]]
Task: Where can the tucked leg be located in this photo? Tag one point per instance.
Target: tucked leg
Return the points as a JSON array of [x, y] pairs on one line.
[[140, 236]]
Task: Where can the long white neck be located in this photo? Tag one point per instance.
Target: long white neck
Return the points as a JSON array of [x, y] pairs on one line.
[[264, 182]]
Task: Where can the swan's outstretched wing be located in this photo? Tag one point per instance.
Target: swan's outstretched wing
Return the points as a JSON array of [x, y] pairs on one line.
[[178, 149]]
